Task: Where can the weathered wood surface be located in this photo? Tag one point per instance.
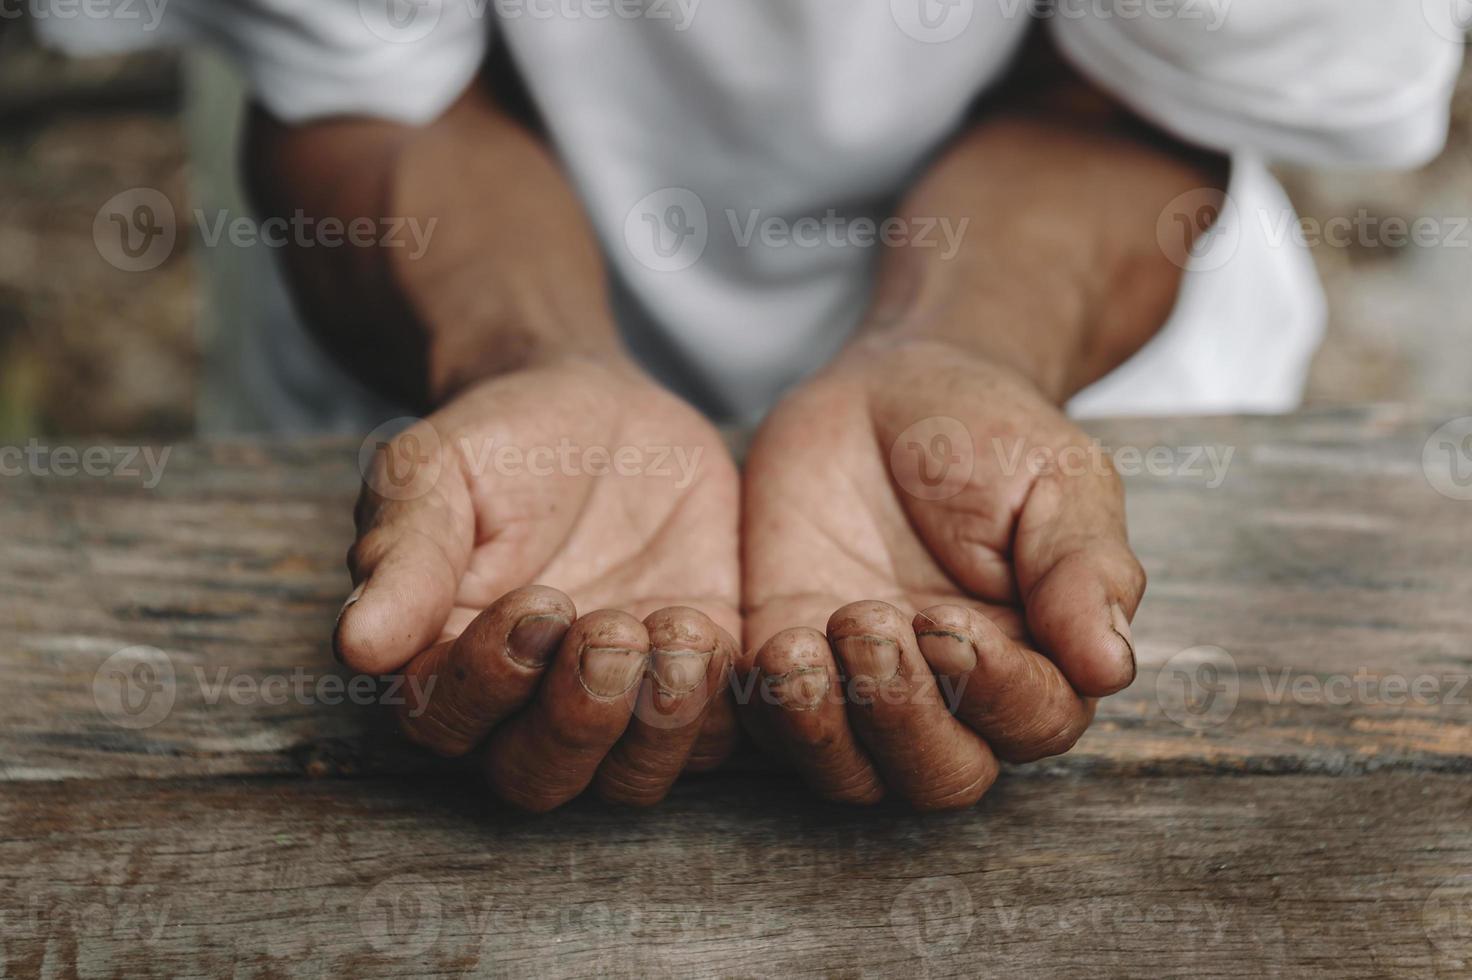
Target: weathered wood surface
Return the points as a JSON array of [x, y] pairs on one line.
[[1069, 876], [1321, 826], [1336, 580]]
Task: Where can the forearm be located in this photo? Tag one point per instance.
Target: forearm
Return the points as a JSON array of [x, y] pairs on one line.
[[506, 272], [1059, 273]]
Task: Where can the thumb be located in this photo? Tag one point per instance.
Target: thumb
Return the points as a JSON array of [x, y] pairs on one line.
[[413, 546], [1079, 580]]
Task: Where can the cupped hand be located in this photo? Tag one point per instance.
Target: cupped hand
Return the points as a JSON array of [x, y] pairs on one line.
[[936, 574], [552, 559]]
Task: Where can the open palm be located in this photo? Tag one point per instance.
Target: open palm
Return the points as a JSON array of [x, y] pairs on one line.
[[936, 511], [619, 503]]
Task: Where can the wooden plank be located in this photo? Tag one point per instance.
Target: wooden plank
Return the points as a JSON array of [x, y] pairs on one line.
[[1331, 574], [1062, 876]]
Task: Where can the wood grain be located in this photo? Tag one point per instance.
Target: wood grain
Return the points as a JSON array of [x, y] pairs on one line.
[[1066, 876], [1334, 579], [1303, 812]]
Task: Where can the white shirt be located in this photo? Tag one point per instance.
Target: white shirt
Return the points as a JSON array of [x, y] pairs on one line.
[[734, 155]]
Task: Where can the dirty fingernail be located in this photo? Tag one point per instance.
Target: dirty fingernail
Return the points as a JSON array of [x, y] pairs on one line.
[[679, 671], [869, 656], [608, 672], [1121, 626], [353, 597], [535, 638], [800, 689], [947, 653]]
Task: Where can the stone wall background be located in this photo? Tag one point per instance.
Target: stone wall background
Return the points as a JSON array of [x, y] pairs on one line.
[[86, 348]]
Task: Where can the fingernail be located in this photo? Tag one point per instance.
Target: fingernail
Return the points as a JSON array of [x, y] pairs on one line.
[[608, 672], [946, 652], [800, 689], [534, 639], [679, 671], [353, 597], [1121, 626], [869, 656]]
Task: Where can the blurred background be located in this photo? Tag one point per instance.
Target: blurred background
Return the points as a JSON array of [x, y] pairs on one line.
[[86, 348]]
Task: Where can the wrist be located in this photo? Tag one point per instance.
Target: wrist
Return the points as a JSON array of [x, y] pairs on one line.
[[468, 352], [1031, 319]]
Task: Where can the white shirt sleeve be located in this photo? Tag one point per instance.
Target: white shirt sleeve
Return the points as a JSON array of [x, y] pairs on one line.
[[405, 60], [1317, 82]]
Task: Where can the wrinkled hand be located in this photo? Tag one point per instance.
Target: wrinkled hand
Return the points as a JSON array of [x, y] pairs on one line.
[[620, 503], [936, 574]]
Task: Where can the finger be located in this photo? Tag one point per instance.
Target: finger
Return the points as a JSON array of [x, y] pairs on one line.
[[1079, 579], [1015, 699], [550, 752], [688, 659], [461, 689], [407, 563], [801, 701], [921, 751]]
